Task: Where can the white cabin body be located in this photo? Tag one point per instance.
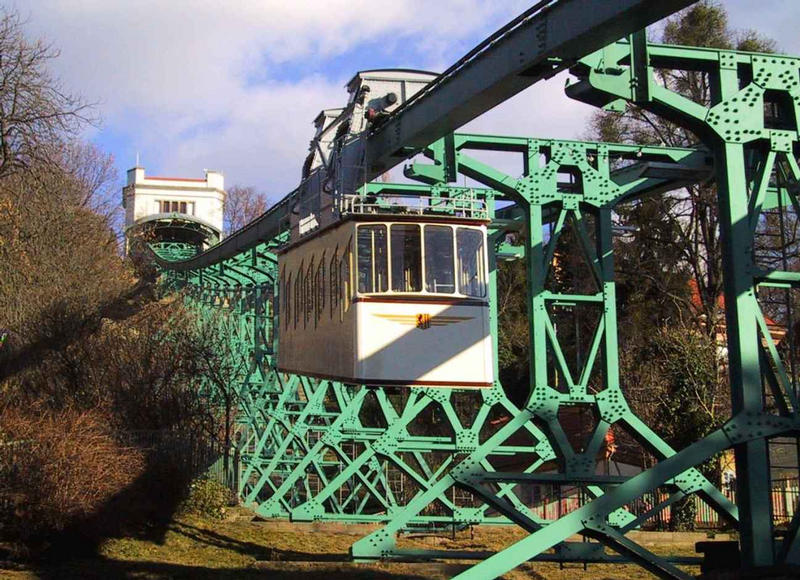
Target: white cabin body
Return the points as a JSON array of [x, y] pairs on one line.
[[388, 302]]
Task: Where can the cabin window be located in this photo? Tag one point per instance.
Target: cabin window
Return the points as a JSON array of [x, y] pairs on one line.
[[471, 259], [373, 265], [309, 298], [453, 259], [439, 274], [406, 245], [287, 282], [298, 296]]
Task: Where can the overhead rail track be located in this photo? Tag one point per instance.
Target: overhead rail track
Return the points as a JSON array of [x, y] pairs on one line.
[[549, 37], [510, 60]]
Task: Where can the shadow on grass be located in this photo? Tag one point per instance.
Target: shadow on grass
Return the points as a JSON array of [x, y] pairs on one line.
[[145, 510], [111, 569], [251, 549]]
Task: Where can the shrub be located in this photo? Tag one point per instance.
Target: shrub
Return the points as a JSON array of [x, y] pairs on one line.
[[207, 498], [59, 469]]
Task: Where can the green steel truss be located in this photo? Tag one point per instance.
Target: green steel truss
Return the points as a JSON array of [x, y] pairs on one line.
[[566, 188], [313, 449], [173, 251], [316, 449], [751, 126]]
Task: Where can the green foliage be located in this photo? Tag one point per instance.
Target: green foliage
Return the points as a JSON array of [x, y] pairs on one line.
[[706, 24], [683, 515], [672, 380], [207, 498], [687, 392], [512, 312]]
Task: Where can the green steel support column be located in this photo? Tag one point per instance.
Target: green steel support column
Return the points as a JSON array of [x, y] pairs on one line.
[[539, 399], [751, 124], [741, 309]]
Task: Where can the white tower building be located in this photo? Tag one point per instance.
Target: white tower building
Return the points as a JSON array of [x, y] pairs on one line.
[[145, 196], [149, 199]]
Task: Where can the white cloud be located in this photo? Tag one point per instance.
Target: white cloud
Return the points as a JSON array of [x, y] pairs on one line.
[[172, 77], [175, 79], [264, 139]]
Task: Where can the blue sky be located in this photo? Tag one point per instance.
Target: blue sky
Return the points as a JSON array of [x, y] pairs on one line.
[[234, 86]]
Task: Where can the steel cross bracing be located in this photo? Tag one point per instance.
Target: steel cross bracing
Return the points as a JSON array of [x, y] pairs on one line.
[[322, 450], [173, 251], [310, 447], [750, 124], [550, 208]]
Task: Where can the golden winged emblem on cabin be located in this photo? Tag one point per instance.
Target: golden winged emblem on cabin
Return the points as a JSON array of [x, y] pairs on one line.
[[423, 321]]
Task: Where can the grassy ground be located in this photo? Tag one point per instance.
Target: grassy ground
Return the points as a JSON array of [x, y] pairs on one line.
[[196, 547]]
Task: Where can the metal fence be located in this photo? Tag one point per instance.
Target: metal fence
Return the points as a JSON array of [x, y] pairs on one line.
[[206, 458], [200, 456], [785, 498]]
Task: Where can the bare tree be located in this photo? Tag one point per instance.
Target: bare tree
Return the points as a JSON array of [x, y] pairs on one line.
[[36, 112], [59, 262], [95, 176], [243, 205], [688, 218]]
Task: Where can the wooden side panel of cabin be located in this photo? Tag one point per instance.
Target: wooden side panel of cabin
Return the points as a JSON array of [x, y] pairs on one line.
[[321, 344]]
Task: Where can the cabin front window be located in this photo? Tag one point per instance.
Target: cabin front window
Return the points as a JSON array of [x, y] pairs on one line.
[[406, 244], [373, 264], [427, 259], [439, 273], [471, 280]]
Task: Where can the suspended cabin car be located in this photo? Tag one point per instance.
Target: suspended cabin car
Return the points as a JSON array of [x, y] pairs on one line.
[[374, 291], [391, 301]]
